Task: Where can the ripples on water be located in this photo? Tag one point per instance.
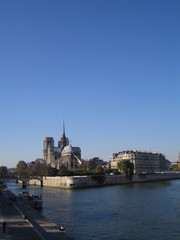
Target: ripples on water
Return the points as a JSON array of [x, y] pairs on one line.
[[126, 212]]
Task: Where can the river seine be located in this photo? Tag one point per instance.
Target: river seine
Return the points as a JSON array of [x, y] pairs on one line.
[[143, 211]]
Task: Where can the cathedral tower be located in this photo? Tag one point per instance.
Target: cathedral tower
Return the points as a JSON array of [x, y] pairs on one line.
[[48, 144]]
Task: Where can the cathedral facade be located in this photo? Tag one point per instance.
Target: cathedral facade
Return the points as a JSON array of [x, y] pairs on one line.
[[63, 154]]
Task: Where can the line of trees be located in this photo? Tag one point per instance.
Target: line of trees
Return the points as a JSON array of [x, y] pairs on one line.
[[41, 169], [86, 168], [34, 169]]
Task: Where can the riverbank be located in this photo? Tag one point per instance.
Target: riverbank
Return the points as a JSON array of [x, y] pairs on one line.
[[73, 182], [24, 222]]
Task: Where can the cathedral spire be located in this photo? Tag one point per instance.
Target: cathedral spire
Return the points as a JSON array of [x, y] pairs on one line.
[[64, 143], [64, 136]]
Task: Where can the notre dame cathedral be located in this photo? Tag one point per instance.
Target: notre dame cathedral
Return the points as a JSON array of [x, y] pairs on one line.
[[62, 155]]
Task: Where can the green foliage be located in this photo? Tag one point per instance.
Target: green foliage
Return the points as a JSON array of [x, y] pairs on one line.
[[127, 167], [37, 169], [78, 172], [21, 168], [99, 169], [41, 169], [3, 172], [89, 165], [32, 170], [83, 165], [63, 171], [12, 173], [50, 171], [175, 167]]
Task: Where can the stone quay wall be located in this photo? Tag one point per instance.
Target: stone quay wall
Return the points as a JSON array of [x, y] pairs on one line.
[[34, 182], [100, 180]]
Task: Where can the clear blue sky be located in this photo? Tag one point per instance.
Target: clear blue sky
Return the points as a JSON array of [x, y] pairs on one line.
[[109, 68]]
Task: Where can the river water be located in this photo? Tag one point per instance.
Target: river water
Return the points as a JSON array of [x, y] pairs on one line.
[[141, 211]]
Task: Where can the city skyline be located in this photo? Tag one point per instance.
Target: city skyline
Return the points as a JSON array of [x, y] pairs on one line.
[[109, 69]]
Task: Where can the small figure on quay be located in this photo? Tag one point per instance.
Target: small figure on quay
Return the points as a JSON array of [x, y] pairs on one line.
[[4, 226]]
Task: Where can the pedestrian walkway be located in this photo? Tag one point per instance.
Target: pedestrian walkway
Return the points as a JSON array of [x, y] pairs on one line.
[[23, 222], [3, 235]]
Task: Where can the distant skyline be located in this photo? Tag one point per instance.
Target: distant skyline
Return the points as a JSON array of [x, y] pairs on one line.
[[108, 68]]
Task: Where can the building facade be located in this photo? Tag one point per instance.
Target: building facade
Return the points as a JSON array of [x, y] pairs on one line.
[[63, 154], [144, 162]]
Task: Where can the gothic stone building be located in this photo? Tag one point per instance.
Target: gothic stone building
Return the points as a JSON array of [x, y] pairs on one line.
[[64, 154]]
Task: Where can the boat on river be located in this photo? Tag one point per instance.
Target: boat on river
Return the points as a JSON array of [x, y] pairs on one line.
[[34, 200]]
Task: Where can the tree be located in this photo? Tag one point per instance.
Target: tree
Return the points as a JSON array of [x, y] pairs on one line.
[[175, 167], [99, 169], [63, 171], [178, 166], [3, 172], [32, 170], [88, 165], [127, 167], [91, 165], [42, 169], [12, 172], [36, 169], [50, 171], [21, 168]]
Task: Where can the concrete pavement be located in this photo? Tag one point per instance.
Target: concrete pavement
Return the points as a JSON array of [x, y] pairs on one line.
[[32, 227]]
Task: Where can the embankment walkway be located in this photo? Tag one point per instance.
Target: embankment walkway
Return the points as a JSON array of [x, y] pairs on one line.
[[24, 222]]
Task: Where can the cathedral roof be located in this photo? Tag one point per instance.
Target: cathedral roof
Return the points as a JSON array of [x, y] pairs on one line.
[[67, 149], [70, 149], [76, 149], [56, 149]]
